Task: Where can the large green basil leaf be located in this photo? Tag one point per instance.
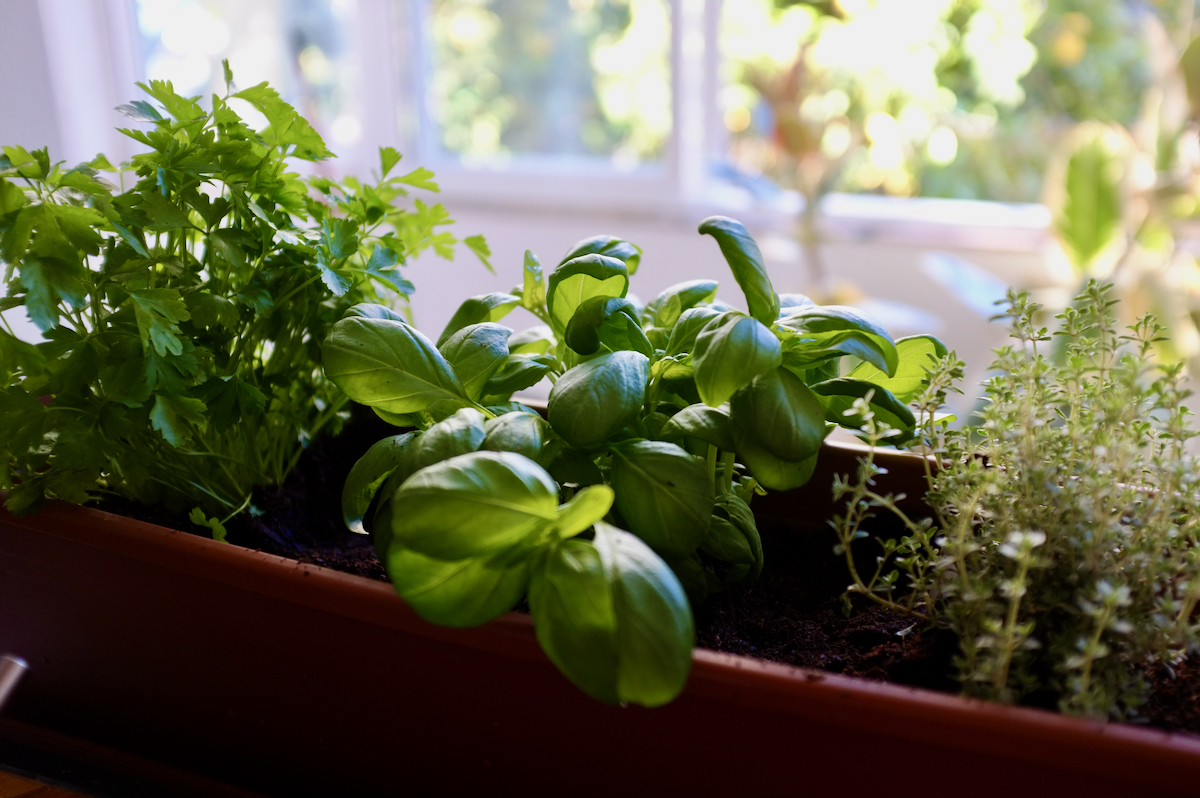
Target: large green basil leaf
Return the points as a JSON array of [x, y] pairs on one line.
[[368, 475], [456, 594], [746, 262], [690, 323], [594, 400], [814, 320], [524, 433], [571, 602], [478, 309], [585, 508], [614, 619], [388, 365], [473, 505], [664, 494], [731, 350], [475, 352], [768, 469], [917, 354], [838, 398], [519, 372], [781, 414], [580, 279], [668, 306], [655, 632], [630, 254], [709, 424]]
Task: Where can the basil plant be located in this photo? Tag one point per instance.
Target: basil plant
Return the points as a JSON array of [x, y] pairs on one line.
[[663, 420]]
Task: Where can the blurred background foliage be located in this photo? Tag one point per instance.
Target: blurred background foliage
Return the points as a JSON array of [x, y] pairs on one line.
[[587, 78], [945, 98]]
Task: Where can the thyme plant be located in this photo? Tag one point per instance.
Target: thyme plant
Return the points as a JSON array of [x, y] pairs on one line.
[[1062, 551]]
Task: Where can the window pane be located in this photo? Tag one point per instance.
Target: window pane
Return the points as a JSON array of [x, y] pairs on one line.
[[299, 46], [584, 78]]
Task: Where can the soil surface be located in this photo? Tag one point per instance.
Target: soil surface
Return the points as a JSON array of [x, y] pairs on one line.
[[793, 614]]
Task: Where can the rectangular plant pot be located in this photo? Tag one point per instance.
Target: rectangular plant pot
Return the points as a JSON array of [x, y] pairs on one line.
[[291, 679]]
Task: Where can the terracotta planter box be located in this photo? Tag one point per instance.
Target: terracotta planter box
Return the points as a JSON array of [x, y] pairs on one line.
[[292, 679]]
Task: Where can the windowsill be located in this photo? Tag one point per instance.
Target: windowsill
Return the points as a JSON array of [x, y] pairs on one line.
[[862, 218]]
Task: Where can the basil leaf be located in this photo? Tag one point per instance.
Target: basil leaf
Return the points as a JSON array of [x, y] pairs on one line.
[[614, 618], [731, 350], [838, 398], [461, 433], [594, 400], [673, 367], [571, 602], [533, 285], [655, 632], [667, 307], [708, 424], [457, 594], [573, 467], [472, 505], [781, 414], [475, 353], [519, 372], [368, 475], [478, 309], [586, 508], [733, 538], [746, 262], [770, 471], [622, 331], [788, 302], [399, 419], [839, 318], [580, 279], [371, 310], [533, 341], [629, 254], [802, 351], [519, 432], [389, 365], [917, 354], [683, 334], [663, 493]]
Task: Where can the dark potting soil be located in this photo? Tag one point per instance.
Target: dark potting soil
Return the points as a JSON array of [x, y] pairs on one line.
[[793, 614]]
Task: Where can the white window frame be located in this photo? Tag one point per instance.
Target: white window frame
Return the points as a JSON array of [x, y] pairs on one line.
[[578, 185]]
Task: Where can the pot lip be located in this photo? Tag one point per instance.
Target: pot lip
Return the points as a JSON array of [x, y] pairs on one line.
[[844, 701]]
